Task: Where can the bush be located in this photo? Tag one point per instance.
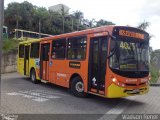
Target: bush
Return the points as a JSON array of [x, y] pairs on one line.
[[9, 44], [154, 74]]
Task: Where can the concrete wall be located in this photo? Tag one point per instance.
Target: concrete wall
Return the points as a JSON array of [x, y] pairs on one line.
[[9, 62]]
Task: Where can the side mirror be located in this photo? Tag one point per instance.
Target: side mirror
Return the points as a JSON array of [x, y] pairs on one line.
[[113, 37], [113, 51]]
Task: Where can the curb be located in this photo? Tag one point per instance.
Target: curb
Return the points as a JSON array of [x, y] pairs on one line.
[[155, 84]]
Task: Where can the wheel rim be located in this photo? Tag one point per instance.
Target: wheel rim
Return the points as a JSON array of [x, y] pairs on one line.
[[33, 76], [79, 86]]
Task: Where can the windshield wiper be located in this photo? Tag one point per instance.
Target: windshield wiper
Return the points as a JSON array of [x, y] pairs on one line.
[[131, 48], [114, 51]]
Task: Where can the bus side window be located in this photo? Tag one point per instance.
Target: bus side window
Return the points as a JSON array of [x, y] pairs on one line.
[[21, 51], [58, 49], [19, 34], [34, 53], [77, 48]]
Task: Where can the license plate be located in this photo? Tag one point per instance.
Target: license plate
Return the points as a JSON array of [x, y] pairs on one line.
[[136, 90]]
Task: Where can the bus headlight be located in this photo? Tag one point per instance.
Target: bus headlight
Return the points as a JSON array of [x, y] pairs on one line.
[[114, 79], [122, 85], [117, 82]]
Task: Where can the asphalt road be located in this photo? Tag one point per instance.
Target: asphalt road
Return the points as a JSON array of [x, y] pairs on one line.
[[20, 96]]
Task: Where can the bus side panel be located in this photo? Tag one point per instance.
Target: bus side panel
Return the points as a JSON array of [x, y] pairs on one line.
[[20, 62], [82, 71], [26, 59], [27, 68], [57, 73], [20, 65], [34, 63]]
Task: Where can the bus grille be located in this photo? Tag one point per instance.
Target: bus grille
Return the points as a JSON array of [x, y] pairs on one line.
[[135, 91], [134, 84]]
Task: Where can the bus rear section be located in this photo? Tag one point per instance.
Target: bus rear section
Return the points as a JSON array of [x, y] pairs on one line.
[[28, 58], [108, 61]]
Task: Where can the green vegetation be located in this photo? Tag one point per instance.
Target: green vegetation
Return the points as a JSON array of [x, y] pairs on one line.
[[154, 74], [155, 66], [9, 44], [30, 17], [155, 57]]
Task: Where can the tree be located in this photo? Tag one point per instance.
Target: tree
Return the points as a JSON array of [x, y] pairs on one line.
[[102, 22], [19, 14], [144, 25], [92, 23], [63, 15], [29, 17], [13, 14], [71, 19], [26, 11], [78, 16], [40, 15]]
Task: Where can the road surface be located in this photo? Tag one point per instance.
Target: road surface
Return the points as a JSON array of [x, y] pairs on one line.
[[20, 96]]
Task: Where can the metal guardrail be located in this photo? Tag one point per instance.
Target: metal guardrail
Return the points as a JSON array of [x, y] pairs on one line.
[[20, 34], [156, 84]]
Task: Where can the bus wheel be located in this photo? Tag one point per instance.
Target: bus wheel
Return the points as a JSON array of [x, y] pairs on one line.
[[77, 87], [33, 76]]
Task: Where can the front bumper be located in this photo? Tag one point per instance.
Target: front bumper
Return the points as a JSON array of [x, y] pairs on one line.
[[115, 91]]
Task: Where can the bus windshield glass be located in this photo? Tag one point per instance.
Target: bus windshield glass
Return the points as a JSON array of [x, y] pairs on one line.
[[129, 55]]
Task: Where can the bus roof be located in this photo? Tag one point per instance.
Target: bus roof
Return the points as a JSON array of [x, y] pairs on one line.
[[83, 32], [107, 28]]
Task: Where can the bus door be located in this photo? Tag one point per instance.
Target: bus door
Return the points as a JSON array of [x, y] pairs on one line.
[[44, 61], [97, 64], [26, 59]]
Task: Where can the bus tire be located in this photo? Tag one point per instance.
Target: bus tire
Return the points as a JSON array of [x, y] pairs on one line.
[[77, 87], [33, 76]]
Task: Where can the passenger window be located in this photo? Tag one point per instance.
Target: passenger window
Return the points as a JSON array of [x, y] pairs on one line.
[[34, 50], [21, 51], [77, 48], [58, 49]]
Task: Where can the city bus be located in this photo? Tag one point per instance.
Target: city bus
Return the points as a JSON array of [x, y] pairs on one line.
[[109, 61]]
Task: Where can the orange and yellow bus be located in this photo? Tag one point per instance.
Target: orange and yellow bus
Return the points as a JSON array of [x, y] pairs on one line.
[[109, 61]]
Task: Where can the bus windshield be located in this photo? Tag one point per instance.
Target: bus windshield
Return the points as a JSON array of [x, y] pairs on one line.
[[129, 55]]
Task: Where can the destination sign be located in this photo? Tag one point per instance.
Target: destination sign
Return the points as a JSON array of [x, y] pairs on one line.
[[131, 34]]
